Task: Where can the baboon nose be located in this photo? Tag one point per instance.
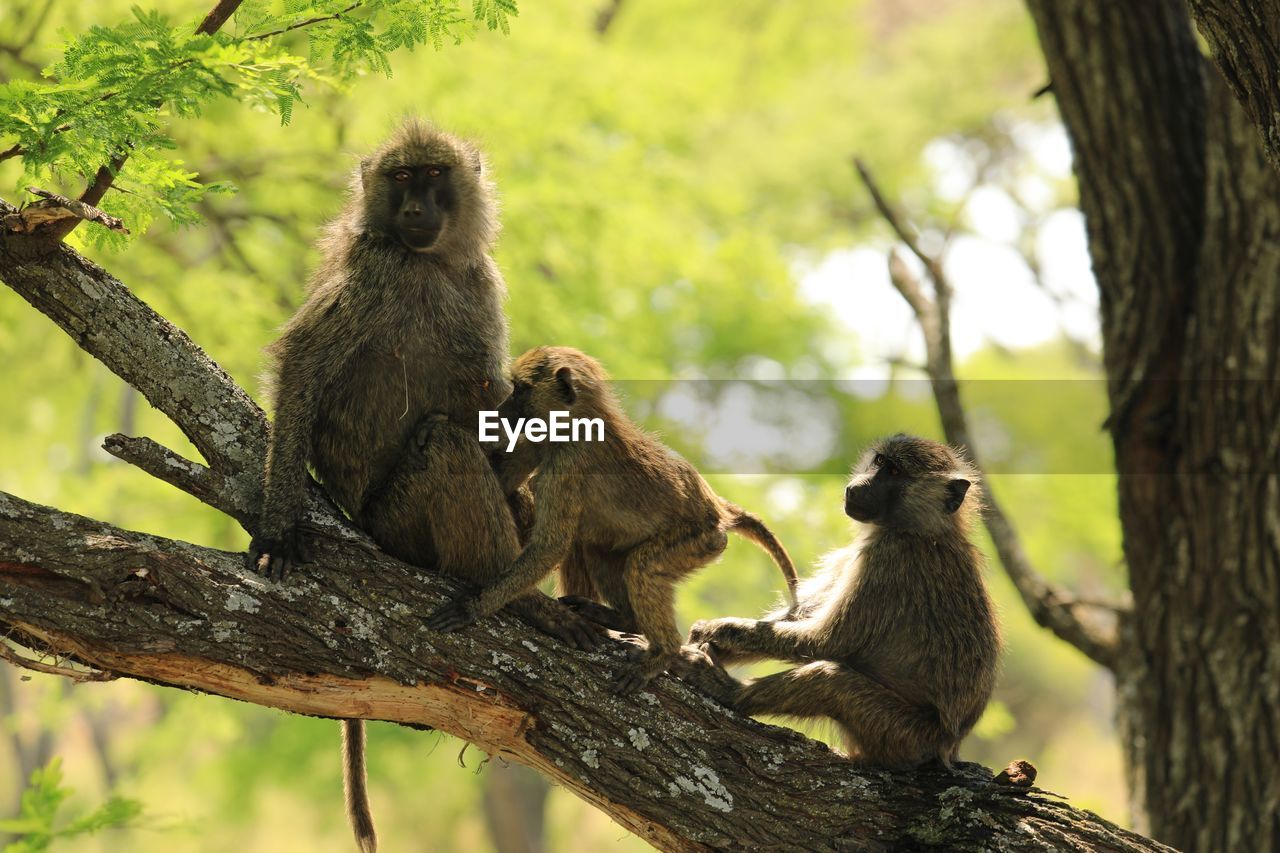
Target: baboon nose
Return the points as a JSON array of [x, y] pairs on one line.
[[412, 211]]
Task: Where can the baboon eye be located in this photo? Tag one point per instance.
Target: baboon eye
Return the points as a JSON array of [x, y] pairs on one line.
[[881, 461], [434, 172], [401, 175]]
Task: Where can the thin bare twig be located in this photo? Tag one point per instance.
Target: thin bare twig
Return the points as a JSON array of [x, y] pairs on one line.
[[605, 17], [17, 50], [58, 208], [308, 22], [1091, 627], [905, 230], [8, 653]]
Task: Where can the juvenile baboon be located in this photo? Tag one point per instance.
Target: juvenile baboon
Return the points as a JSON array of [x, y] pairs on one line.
[[625, 517], [402, 333], [896, 633]]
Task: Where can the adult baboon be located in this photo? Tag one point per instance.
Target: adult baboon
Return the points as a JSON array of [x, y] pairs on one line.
[[402, 332]]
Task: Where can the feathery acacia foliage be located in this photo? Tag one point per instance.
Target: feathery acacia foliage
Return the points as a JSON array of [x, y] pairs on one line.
[[116, 90]]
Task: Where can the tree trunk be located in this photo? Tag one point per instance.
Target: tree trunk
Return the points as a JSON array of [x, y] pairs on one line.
[[344, 638], [515, 808], [1183, 214], [1245, 38]]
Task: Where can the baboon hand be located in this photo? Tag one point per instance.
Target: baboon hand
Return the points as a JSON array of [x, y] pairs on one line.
[[455, 615], [725, 633], [420, 439], [711, 653], [641, 673], [274, 556]]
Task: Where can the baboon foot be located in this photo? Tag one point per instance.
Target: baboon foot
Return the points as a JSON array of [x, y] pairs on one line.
[[573, 630], [706, 674], [559, 622], [638, 676], [601, 614], [275, 556]]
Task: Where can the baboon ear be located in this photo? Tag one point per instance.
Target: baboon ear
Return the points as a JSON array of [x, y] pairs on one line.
[[568, 384], [366, 166], [956, 491]]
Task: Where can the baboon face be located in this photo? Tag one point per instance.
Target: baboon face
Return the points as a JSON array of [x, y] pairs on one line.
[[420, 198], [906, 481], [425, 189], [520, 404], [542, 380]]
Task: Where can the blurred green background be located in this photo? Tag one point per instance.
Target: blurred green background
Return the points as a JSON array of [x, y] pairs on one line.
[[678, 200]]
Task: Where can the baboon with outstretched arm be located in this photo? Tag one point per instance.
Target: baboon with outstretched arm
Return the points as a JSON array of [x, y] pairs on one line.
[[896, 634], [402, 333], [625, 517]]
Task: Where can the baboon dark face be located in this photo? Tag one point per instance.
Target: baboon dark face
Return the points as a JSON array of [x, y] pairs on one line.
[[427, 191], [873, 498], [420, 200], [907, 481]]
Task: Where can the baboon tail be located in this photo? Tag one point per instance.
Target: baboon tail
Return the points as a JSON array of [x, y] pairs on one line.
[[749, 525], [356, 784]]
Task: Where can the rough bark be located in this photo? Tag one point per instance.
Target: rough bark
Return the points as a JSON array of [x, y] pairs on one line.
[[344, 639], [1182, 214], [1244, 36]]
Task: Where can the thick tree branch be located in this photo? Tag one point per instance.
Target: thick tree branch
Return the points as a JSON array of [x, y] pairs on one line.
[[345, 639], [209, 486], [160, 360], [1091, 627]]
